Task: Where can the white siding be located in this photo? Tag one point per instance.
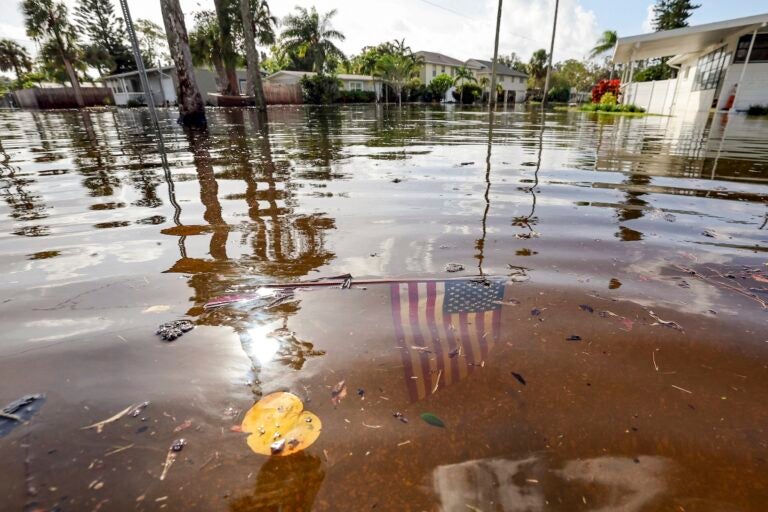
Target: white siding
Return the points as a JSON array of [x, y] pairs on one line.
[[655, 97], [754, 89]]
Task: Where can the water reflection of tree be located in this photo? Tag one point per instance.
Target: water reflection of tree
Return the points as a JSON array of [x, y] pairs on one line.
[[93, 157], [278, 243], [25, 204]]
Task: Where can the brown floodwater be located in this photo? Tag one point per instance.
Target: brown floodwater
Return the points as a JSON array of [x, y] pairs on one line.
[[605, 346]]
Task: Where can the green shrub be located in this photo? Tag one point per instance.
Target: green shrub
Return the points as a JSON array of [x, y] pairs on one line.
[[611, 107], [440, 85], [467, 93], [608, 99], [560, 94], [356, 97], [320, 89], [758, 110]]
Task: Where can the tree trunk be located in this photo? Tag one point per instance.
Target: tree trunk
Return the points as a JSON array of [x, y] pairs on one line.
[[221, 73], [227, 50], [70, 71], [74, 81], [254, 85], [191, 108]]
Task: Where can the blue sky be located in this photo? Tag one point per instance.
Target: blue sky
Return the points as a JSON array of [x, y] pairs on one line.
[[460, 28]]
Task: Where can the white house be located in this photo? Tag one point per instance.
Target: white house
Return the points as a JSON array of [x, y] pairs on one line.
[[438, 64], [162, 82], [348, 82], [512, 81], [721, 65]]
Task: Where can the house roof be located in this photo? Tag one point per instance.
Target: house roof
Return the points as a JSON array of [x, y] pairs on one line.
[[439, 58], [135, 73], [682, 40], [341, 76], [501, 69]]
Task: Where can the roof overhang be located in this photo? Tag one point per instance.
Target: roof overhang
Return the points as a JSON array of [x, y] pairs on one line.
[[682, 40]]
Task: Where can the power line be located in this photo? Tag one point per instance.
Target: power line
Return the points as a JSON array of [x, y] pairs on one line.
[[447, 9]]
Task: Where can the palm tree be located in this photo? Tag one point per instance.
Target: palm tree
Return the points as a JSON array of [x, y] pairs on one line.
[[14, 57], [204, 44], [309, 38], [484, 82], [46, 20], [606, 42], [463, 74], [537, 67], [191, 107], [225, 15]]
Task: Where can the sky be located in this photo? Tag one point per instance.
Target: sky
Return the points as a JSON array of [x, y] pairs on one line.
[[460, 28]]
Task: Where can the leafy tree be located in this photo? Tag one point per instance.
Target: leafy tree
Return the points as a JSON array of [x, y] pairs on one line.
[[573, 73], [48, 23], [513, 61], [320, 89], [537, 67], [308, 39], [226, 14], [108, 51], [152, 42], [53, 68], [671, 14], [462, 75], [14, 57], [605, 43], [278, 59]]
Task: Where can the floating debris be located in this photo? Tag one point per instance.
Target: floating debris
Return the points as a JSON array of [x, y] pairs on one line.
[[17, 412], [135, 412], [519, 378], [179, 444], [338, 393], [399, 416], [99, 425], [397, 180], [173, 330], [587, 308], [454, 267], [573, 337], [279, 425], [432, 419], [666, 323]]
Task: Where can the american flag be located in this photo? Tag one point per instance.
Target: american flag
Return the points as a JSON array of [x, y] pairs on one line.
[[453, 324]]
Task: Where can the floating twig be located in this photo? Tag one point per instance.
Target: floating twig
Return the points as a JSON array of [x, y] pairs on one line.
[[437, 381], [99, 425], [653, 355], [118, 450], [682, 389]]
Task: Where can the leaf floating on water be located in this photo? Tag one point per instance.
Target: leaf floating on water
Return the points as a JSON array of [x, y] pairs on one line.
[[339, 392], [280, 417], [614, 284], [519, 378], [535, 312], [432, 419], [587, 308]]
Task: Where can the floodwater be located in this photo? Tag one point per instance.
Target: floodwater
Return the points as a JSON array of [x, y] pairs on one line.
[[604, 348]]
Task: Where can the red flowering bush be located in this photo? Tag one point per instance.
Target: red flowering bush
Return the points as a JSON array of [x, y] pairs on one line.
[[603, 87]]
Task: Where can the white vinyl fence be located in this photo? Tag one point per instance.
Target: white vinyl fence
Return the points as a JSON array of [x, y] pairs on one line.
[[655, 97]]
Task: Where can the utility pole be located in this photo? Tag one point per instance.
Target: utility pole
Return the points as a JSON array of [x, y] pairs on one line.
[[551, 50], [492, 96]]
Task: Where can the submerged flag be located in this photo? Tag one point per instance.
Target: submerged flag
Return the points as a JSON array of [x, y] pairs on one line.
[[446, 328]]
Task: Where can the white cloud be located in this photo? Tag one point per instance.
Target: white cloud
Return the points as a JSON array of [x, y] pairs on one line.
[[647, 25], [526, 26]]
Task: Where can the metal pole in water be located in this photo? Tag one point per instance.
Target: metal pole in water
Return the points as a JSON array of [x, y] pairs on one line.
[[140, 65], [492, 95]]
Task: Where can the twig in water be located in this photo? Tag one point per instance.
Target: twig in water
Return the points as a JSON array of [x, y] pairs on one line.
[[653, 355], [682, 389], [665, 323], [99, 426], [118, 450], [437, 381]]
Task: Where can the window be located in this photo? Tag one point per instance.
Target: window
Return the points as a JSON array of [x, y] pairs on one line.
[[434, 72], [443, 69], [355, 86], [759, 50], [710, 70]]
